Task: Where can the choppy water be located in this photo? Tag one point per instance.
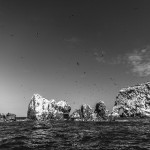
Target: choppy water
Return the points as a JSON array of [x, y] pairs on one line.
[[70, 135]]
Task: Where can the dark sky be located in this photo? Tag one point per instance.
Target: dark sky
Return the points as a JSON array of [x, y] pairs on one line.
[[80, 51]]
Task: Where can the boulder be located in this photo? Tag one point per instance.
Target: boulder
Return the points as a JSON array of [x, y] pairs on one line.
[[43, 109], [10, 117], [133, 101]]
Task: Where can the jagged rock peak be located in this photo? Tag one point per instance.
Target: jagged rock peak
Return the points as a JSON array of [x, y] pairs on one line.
[[39, 97], [61, 103]]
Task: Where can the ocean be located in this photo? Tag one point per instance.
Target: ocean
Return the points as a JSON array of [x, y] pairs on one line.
[[75, 135]]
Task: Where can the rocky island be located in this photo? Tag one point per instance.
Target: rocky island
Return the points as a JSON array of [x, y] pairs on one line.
[[133, 101], [43, 109], [86, 113]]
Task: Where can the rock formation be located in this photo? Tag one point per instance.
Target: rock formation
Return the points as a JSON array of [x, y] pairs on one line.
[[2, 117], [86, 113], [76, 115], [10, 117], [101, 111], [42, 109], [7, 117], [133, 101]]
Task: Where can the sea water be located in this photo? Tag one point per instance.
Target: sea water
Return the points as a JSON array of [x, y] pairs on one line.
[[74, 135]]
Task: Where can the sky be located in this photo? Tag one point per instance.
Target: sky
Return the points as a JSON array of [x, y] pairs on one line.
[[81, 51]]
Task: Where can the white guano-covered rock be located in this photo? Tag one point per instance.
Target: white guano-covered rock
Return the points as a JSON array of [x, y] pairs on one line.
[[133, 101], [40, 108]]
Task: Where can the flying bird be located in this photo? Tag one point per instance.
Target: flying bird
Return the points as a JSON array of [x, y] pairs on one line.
[[37, 34], [78, 64], [102, 54], [11, 35]]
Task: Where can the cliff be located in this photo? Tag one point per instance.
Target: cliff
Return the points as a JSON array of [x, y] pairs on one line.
[[133, 101]]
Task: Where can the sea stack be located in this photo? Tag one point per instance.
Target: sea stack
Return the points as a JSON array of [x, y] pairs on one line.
[[43, 109], [101, 111], [133, 101], [86, 113]]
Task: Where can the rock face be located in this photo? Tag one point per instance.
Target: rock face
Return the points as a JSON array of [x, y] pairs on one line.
[[42, 109], [86, 113], [133, 101]]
